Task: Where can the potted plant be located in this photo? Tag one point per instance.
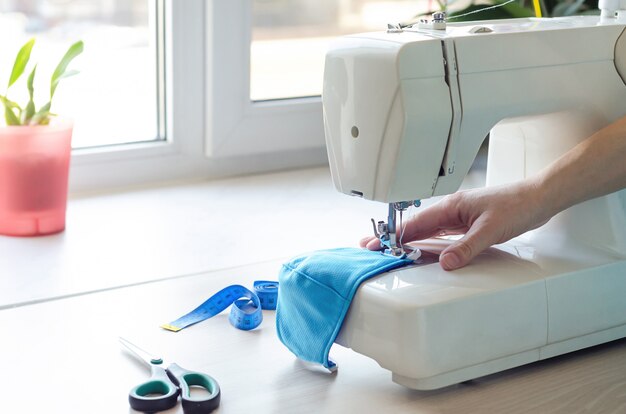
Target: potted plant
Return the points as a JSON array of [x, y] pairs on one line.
[[35, 149]]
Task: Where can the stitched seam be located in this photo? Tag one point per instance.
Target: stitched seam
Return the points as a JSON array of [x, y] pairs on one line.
[[314, 281]]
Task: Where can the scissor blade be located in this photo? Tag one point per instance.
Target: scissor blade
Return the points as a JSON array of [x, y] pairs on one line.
[[143, 355]]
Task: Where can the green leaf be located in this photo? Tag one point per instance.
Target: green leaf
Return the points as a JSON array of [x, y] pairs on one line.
[[42, 117], [29, 111], [10, 116], [29, 83], [485, 12], [69, 73], [23, 56], [568, 8], [60, 71], [9, 103]]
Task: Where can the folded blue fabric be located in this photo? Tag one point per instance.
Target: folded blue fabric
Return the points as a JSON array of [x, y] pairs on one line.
[[315, 293]]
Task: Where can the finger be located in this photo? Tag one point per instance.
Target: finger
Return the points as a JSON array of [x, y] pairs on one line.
[[365, 240], [452, 232], [432, 221], [374, 244], [478, 238]]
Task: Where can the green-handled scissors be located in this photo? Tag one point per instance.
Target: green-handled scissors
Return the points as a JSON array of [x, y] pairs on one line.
[[161, 391]]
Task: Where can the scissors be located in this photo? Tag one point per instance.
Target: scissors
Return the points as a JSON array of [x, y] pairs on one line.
[[161, 391]]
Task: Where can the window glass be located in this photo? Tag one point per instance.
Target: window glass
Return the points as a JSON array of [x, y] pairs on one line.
[[290, 39], [115, 97]]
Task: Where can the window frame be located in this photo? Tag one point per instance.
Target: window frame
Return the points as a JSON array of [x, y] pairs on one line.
[[212, 129], [237, 125], [179, 155]]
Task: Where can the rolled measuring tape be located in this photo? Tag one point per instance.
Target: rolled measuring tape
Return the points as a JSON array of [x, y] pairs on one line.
[[245, 312]]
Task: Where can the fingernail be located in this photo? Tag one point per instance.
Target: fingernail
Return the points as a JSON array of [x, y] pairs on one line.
[[450, 261]]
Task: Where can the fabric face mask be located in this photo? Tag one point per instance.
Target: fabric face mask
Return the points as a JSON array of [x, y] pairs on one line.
[[315, 293]]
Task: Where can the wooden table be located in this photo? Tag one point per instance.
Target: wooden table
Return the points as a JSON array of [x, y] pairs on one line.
[[69, 361], [65, 300]]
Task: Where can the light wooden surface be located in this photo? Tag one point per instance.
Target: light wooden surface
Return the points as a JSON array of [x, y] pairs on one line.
[[134, 260], [146, 234], [63, 357]]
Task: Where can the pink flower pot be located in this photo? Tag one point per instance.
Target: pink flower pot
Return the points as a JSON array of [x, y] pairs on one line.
[[34, 167]]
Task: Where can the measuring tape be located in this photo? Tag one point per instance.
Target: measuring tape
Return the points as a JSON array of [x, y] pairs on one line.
[[245, 314]]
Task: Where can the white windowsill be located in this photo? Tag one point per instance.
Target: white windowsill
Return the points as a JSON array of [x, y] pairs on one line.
[[147, 234]]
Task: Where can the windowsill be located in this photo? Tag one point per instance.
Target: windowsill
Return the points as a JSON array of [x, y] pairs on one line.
[[133, 237], [149, 234]]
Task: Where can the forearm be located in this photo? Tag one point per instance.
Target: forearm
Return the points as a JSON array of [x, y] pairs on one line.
[[595, 167]]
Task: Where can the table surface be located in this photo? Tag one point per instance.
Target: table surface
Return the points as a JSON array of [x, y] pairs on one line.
[[62, 313]]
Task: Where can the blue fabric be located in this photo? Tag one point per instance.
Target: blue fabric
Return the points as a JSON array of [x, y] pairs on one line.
[[315, 294]]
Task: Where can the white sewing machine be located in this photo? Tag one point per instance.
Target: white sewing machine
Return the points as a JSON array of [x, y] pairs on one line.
[[405, 114]]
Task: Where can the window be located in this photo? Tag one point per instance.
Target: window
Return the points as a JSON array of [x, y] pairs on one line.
[[153, 111], [236, 125], [166, 91], [275, 50], [290, 39], [116, 98]]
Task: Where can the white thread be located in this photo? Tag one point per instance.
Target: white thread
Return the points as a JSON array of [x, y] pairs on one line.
[[415, 253], [401, 230], [480, 10], [403, 225]]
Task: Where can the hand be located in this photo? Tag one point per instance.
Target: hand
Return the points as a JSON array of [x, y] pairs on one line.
[[494, 215], [486, 216]]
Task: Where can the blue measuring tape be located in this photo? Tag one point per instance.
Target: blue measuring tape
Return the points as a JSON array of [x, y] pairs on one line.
[[245, 313]]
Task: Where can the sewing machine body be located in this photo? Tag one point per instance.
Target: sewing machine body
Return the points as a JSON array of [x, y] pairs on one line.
[[405, 114], [518, 303]]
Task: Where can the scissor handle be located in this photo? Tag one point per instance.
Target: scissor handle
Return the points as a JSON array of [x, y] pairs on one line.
[[187, 379], [159, 393]]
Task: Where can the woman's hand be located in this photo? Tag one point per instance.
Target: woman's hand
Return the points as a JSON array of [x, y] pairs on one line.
[[493, 215], [486, 216]]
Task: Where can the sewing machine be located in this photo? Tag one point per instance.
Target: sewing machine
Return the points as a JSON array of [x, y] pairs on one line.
[[406, 112]]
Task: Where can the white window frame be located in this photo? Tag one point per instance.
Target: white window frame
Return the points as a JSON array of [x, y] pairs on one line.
[[236, 125], [180, 154], [212, 127]]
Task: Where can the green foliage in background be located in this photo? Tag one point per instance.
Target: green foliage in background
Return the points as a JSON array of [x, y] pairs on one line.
[[519, 9], [513, 10], [15, 114]]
